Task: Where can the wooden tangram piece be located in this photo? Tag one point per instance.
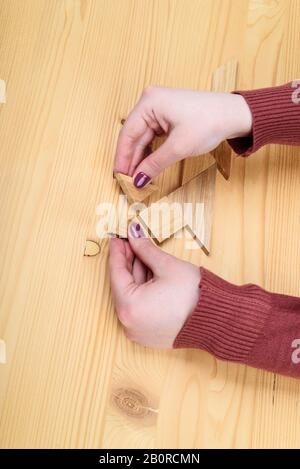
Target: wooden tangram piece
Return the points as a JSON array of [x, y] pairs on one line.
[[2, 91], [91, 248], [129, 189], [2, 351], [163, 222], [224, 79]]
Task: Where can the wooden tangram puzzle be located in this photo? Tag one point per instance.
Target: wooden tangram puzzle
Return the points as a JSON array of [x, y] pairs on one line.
[[198, 182]]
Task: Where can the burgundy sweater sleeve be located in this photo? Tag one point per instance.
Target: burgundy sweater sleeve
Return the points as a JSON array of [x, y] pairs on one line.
[[276, 117], [244, 324]]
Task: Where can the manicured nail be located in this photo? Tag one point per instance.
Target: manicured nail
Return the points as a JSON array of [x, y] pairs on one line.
[[140, 180], [136, 231]]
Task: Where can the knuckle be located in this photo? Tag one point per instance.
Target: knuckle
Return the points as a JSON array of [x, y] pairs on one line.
[[154, 164], [179, 148], [168, 263], [149, 90]]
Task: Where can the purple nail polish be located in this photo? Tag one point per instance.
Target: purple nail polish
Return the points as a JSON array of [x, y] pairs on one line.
[[140, 180], [136, 231]]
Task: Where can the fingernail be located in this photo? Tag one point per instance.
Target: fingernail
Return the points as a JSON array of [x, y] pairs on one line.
[[141, 179], [136, 231]]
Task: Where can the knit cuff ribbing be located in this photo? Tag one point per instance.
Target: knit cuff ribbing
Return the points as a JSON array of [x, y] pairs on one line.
[[276, 118], [228, 319]]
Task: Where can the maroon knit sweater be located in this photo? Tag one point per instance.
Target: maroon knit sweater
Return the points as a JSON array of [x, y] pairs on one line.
[[245, 323]]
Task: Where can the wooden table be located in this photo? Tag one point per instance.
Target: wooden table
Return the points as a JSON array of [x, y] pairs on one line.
[[73, 70]]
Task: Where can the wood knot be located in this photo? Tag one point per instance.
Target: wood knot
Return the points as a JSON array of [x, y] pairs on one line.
[[132, 402]]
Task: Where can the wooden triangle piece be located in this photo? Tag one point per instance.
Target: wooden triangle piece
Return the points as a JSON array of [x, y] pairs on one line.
[[133, 194], [170, 214]]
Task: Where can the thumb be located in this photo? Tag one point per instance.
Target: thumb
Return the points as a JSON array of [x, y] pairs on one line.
[[146, 250], [119, 265], [156, 162]]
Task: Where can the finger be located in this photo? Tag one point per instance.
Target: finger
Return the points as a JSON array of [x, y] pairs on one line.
[[120, 274], [139, 271], [141, 150], [129, 255], [149, 275], [154, 164], [145, 249], [133, 137]]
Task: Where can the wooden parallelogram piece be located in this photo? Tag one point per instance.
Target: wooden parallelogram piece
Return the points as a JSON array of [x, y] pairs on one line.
[[164, 217], [133, 194], [224, 79]]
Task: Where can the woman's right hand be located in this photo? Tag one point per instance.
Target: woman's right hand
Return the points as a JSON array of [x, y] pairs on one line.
[[194, 122]]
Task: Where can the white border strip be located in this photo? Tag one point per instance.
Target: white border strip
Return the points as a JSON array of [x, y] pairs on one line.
[[2, 92], [2, 352]]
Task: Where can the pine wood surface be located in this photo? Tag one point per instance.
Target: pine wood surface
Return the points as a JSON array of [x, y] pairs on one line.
[[74, 69]]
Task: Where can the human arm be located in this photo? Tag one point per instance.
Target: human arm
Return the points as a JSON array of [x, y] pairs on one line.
[[195, 122], [165, 302]]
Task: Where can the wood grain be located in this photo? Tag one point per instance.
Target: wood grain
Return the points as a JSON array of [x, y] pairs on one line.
[[73, 69]]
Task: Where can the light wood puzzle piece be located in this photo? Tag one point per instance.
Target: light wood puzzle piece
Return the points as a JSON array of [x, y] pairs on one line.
[[224, 79], [163, 222], [129, 189], [91, 248]]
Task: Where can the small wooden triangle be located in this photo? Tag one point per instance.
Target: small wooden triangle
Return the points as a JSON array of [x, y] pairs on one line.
[[133, 194]]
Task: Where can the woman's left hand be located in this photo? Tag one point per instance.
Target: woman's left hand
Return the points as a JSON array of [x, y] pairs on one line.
[[154, 292]]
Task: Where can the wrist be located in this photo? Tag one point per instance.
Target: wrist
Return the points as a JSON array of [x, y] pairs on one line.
[[238, 117]]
